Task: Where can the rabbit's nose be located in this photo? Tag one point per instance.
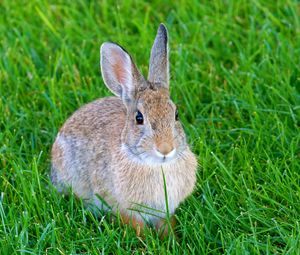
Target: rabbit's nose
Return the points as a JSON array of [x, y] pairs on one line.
[[165, 148]]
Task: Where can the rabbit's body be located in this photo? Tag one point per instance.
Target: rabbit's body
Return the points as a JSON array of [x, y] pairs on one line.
[[119, 148], [83, 160]]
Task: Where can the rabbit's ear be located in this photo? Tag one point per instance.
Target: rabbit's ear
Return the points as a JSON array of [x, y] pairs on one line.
[[119, 73], [159, 59]]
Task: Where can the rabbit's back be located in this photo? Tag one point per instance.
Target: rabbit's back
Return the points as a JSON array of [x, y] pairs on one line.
[[82, 148]]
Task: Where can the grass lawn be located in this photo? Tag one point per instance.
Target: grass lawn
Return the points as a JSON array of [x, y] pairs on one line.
[[235, 68]]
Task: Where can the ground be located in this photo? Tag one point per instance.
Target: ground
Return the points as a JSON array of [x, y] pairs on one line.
[[236, 80]]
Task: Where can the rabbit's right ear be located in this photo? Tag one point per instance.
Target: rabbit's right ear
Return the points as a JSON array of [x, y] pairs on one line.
[[119, 73], [159, 59]]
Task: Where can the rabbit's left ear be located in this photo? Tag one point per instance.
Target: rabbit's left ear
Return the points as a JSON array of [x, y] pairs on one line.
[[119, 72], [159, 59]]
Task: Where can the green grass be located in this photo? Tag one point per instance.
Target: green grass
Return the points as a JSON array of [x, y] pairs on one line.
[[235, 68]]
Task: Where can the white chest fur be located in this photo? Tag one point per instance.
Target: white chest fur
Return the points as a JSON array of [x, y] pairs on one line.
[[143, 188]]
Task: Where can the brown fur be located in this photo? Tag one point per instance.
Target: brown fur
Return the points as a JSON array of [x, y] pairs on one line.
[[164, 227], [138, 225]]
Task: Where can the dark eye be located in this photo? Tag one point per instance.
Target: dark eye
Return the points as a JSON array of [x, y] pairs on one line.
[[139, 118], [176, 115]]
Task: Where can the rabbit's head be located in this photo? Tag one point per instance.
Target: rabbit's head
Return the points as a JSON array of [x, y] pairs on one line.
[[152, 133]]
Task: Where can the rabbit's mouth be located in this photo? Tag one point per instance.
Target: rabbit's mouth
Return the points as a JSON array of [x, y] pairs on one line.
[[152, 157], [165, 157], [155, 157]]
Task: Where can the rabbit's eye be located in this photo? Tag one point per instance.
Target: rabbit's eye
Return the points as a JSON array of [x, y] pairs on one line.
[[139, 118], [176, 115]]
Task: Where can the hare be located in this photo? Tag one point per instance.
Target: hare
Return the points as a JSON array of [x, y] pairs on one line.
[[129, 149]]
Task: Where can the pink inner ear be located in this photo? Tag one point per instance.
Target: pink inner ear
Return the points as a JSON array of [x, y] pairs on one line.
[[120, 67], [120, 75]]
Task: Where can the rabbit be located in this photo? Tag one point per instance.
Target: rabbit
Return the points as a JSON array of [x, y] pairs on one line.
[[130, 149]]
